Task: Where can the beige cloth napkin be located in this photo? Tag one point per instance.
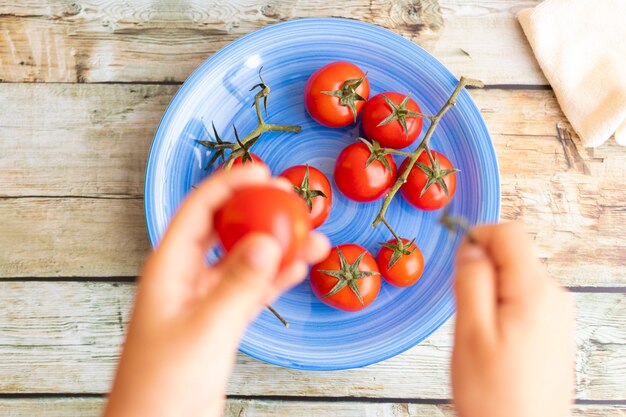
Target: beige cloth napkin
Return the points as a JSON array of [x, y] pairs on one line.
[[581, 48]]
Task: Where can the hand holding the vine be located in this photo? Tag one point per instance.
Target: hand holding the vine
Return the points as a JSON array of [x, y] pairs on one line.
[[513, 348]]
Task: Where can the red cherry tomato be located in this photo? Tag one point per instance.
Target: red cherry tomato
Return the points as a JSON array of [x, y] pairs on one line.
[[408, 266], [266, 209], [238, 161], [339, 78], [434, 197], [360, 182], [339, 284], [391, 134], [314, 188]]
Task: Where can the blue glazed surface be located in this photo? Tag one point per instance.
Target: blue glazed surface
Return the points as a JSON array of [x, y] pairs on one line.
[[320, 338]]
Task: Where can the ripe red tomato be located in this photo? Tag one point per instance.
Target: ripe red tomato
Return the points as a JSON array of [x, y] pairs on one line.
[[238, 161], [359, 181], [348, 279], [266, 209], [407, 264], [426, 184], [314, 188], [336, 93], [393, 122]]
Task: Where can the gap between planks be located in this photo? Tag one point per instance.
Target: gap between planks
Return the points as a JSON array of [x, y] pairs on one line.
[[92, 406], [505, 87], [82, 197], [286, 398], [133, 279]]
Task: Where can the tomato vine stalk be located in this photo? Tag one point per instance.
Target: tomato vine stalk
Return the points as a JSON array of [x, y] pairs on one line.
[[423, 146], [241, 146]]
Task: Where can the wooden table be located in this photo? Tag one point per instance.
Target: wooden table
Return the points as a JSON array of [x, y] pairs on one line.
[[83, 85]]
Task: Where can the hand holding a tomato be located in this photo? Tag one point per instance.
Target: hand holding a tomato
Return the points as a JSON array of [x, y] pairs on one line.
[[189, 316]]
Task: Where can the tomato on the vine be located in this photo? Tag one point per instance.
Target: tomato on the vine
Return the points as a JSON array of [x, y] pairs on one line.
[[239, 161], [392, 119], [348, 279], [363, 172], [400, 264], [314, 188], [265, 209], [336, 93], [429, 186]]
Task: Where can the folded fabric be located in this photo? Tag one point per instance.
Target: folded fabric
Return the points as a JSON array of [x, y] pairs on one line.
[[581, 48]]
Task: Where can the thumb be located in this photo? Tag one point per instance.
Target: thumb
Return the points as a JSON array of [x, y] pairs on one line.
[[475, 291], [245, 277]]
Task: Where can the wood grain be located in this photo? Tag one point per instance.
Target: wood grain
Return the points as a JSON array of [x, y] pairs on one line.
[[67, 140], [88, 407], [92, 141], [71, 237], [64, 337], [91, 407], [112, 40], [260, 408]]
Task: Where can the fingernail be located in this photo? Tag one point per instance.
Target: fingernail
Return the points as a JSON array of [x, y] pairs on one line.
[[263, 253], [470, 253]]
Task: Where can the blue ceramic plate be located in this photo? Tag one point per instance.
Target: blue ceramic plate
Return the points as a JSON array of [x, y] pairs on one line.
[[320, 338]]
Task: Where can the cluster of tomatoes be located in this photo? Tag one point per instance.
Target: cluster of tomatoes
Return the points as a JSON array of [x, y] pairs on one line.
[[349, 279]]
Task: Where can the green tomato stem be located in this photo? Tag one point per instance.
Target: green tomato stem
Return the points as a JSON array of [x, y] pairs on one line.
[[281, 128], [430, 156], [262, 127], [257, 106], [397, 152], [395, 235]]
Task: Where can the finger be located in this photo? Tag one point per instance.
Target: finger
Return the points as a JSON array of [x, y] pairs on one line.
[[510, 249], [287, 278], [190, 232], [475, 288], [246, 276], [317, 248], [282, 183]]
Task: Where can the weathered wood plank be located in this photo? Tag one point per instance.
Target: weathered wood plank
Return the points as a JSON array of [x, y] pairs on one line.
[[111, 40], [73, 141], [88, 407], [71, 237], [93, 140], [64, 337]]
